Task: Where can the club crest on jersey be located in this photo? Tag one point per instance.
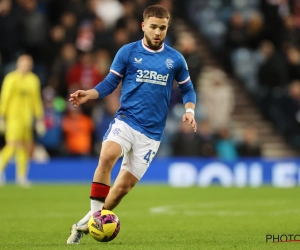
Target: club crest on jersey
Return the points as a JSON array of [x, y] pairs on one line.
[[169, 63], [116, 131], [138, 60]]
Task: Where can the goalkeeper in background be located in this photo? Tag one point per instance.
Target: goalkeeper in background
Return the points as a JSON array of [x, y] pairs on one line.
[[20, 108]]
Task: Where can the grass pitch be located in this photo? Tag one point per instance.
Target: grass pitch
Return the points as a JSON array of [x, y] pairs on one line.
[[152, 217]]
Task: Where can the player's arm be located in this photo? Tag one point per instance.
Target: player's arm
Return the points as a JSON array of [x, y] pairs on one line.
[[102, 89], [6, 92], [81, 96], [38, 107], [188, 93], [189, 100], [37, 99], [108, 85]]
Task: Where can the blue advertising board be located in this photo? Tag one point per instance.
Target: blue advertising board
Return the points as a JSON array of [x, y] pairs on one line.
[[178, 172]]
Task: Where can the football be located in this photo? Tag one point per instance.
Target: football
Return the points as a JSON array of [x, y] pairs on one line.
[[104, 225]]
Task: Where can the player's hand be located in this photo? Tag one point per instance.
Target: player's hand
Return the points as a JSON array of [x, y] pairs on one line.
[[189, 117], [2, 125], [40, 128], [79, 97]]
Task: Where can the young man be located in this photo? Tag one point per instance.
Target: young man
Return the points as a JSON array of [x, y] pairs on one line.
[[147, 69], [20, 104]]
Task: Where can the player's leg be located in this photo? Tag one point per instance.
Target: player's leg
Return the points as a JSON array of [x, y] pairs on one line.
[[23, 155], [117, 142], [79, 229], [22, 162], [13, 138], [122, 185], [110, 153], [6, 154], [135, 164], [113, 147]]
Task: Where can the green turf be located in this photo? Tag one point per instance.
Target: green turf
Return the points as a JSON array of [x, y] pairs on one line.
[[152, 217]]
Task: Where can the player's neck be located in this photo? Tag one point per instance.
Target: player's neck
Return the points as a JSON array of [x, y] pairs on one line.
[[22, 72], [146, 44]]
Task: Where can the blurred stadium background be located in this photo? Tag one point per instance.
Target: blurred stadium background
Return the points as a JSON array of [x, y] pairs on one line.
[[244, 61]]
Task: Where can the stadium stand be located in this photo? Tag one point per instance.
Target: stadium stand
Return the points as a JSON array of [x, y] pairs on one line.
[[230, 46]]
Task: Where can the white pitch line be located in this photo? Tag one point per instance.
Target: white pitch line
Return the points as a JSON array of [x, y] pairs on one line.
[[220, 213], [199, 210]]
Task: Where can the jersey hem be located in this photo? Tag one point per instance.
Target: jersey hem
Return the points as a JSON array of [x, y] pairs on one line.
[[140, 129]]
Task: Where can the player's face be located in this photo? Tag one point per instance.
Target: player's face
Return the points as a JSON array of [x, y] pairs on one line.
[[24, 63], [155, 31]]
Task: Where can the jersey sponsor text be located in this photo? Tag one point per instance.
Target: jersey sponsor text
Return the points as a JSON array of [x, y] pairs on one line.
[[151, 76]]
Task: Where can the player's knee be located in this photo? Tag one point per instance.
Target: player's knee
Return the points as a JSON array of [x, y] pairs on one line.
[[122, 191], [107, 159]]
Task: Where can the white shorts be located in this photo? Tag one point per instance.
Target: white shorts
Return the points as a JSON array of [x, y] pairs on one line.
[[138, 150]]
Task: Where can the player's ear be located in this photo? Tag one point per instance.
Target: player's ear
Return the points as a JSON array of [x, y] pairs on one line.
[[143, 26]]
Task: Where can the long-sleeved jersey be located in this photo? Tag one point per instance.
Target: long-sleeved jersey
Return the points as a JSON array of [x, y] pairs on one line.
[[20, 99], [147, 79]]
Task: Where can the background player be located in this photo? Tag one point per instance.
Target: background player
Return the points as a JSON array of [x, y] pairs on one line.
[[147, 69], [20, 103]]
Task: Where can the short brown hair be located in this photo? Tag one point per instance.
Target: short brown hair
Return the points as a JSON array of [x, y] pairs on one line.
[[156, 11]]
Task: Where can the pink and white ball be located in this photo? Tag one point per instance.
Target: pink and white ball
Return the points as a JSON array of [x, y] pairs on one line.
[[104, 226]]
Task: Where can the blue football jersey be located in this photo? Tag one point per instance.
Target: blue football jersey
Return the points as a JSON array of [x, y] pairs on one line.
[[147, 79]]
